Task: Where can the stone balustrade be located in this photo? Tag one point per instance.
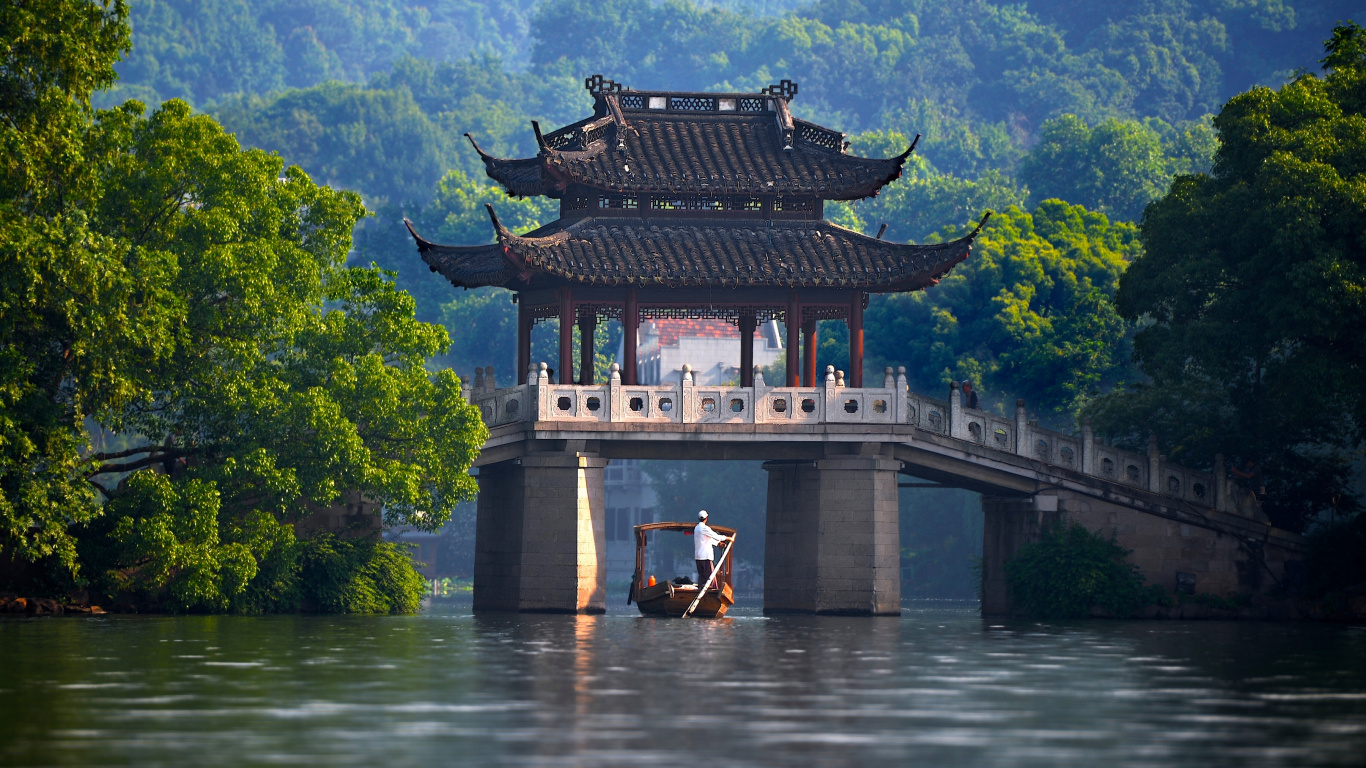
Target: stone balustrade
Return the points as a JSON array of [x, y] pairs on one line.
[[891, 404]]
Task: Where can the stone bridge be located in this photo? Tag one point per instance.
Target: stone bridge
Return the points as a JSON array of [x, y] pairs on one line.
[[834, 455]]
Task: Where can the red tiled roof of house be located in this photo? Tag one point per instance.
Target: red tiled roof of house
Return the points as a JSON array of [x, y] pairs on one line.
[[670, 331]]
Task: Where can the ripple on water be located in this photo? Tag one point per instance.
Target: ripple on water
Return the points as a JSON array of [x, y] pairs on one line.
[[937, 687]]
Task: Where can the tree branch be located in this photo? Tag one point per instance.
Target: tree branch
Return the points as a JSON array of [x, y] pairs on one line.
[[128, 452], [133, 466]]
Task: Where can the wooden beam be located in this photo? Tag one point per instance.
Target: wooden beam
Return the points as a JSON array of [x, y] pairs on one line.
[[856, 340], [524, 325], [563, 375], [588, 325], [810, 329], [630, 327], [794, 324], [747, 325]]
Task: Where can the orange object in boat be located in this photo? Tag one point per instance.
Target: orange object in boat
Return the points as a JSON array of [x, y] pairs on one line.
[[652, 581]]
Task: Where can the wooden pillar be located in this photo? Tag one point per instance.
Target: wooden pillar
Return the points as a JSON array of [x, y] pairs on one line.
[[630, 327], [588, 324], [562, 375], [747, 324], [525, 322], [809, 330], [794, 323], [856, 340]]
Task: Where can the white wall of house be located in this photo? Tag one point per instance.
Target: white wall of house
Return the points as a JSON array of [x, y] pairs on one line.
[[711, 347]]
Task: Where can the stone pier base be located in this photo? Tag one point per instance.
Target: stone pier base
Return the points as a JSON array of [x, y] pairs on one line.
[[1216, 553], [832, 544], [540, 543]]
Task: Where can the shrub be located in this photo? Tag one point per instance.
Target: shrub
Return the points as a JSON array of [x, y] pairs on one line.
[[1071, 569], [358, 576]]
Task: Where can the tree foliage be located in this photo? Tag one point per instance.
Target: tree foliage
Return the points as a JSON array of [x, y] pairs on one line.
[[1069, 570], [1251, 283], [1027, 315], [1116, 167], [193, 297]]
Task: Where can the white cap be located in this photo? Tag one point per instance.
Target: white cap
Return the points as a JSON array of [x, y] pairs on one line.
[[702, 514]]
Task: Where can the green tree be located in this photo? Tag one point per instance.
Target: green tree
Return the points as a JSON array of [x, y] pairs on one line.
[[1070, 570], [1250, 284], [1117, 167], [52, 264], [1027, 315], [193, 297]]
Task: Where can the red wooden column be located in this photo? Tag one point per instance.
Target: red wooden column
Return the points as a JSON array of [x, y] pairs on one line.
[[524, 324], [588, 324], [856, 340], [794, 323], [630, 330], [747, 324], [562, 375], [809, 329]]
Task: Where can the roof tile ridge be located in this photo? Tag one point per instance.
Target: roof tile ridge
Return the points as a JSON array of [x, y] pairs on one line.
[[424, 245]]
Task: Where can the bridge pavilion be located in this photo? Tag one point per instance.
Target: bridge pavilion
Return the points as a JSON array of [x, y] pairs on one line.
[[692, 205]]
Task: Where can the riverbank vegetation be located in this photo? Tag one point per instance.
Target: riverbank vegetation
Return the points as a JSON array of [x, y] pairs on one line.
[[189, 364], [1071, 571]]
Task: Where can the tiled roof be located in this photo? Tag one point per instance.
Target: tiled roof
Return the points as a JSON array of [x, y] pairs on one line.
[[670, 330], [700, 252], [719, 154], [671, 150], [729, 253], [465, 266]]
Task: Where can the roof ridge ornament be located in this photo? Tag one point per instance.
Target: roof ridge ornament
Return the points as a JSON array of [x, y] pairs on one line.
[[784, 90], [597, 84]]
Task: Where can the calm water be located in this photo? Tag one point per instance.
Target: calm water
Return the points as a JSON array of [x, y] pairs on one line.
[[938, 686]]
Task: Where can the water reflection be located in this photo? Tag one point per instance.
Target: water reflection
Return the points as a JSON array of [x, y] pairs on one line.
[[934, 687]]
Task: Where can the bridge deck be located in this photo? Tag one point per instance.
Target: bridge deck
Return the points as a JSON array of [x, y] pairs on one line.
[[933, 439]]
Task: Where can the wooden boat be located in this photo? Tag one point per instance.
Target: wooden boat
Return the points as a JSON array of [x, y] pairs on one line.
[[672, 600]]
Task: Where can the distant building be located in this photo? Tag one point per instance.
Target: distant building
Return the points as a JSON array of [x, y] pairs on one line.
[[708, 345], [630, 501]]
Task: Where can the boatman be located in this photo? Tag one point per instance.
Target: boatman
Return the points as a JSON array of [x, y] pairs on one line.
[[704, 538]]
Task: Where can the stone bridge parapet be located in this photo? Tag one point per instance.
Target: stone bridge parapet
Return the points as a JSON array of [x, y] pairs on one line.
[[884, 414]]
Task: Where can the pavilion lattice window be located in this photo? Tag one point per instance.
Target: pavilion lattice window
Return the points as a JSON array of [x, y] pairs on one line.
[[576, 203], [825, 312], [591, 136], [693, 103], [704, 203], [793, 204], [622, 202], [820, 137], [752, 105], [632, 101], [600, 311], [559, 140], [730, 313]]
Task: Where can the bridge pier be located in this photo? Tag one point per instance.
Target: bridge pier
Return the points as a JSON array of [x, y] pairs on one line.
[[832, 540], [1214, 552], [540, 542]]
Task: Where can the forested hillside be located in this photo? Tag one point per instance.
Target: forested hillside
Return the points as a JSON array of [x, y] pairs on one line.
[[1099, 105]]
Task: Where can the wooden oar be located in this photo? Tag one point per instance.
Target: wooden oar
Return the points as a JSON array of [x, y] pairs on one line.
[[717, 569]]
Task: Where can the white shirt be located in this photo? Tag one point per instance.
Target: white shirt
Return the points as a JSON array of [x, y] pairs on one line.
[[704, 538]]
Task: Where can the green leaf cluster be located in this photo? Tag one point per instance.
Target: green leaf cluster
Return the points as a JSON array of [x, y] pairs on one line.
[[1027, 315], [1069, 570], [1116, 167], [199, 52], [162, 284], [1251, 288]]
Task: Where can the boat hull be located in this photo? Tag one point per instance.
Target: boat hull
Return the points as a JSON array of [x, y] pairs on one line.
[[670, 601]]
